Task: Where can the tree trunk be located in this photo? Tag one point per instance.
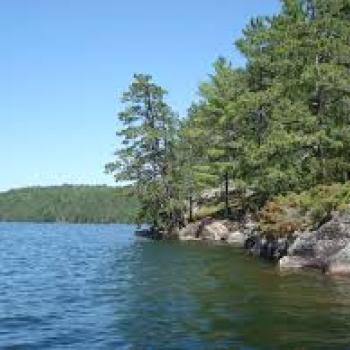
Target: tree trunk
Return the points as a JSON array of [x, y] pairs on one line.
[[323, 165], [191, 208], [319, 103], [227, 209]]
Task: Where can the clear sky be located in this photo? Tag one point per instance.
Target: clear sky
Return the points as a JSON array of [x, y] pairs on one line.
[[63, 63]]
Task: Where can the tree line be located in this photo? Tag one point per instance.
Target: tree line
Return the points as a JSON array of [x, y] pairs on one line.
[[279, 124], [68, 203]]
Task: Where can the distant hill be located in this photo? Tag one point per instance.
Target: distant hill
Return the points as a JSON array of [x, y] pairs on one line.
[[68, 203]]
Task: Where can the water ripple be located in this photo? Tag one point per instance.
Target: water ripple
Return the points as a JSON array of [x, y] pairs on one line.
[[96, 287]]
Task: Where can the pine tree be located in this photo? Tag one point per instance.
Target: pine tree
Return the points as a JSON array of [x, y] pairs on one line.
[[214, 128], [317, 78], [148, 129], [327, 79]]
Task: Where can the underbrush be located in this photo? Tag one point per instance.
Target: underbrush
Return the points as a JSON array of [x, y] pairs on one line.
[[286, 214]]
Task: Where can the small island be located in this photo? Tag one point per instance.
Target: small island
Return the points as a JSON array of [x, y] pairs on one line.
[[269, 141]]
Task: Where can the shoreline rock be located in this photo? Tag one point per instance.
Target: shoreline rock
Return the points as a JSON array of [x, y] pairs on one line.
[[326, 249]]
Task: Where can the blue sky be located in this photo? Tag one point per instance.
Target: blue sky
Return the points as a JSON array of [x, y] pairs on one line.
[[63, 64]]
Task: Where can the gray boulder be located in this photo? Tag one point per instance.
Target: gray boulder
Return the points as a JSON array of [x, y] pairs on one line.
[[339, 263], [333, 236], [304, 245], [326, 248], [210, 230], [337, 227]]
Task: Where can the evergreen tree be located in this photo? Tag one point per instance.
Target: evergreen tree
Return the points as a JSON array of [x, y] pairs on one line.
[[326, 80], [145, 156], [215, 129], [281, 123]]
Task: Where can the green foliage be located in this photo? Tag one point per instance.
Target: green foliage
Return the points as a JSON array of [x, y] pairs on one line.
[[280, 124], [147, 157], [286, 213], [209, 210], [72, 204]]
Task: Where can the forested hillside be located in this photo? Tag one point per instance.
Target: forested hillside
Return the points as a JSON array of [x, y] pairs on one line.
[[73, 204], [281, 123]]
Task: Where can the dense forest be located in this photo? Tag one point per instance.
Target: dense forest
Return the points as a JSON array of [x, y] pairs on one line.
[[279, 124], [72, 204]]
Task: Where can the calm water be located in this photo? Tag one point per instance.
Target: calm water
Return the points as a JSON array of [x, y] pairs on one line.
[[97, 287]]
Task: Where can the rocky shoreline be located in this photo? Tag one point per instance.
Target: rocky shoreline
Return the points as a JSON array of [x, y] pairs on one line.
[[307, 230], [326, 248]]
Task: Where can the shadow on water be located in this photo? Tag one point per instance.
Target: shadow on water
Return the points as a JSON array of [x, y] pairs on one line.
[[198, 296]]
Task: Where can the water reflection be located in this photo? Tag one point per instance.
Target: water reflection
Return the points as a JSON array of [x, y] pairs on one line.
[[195, 296]]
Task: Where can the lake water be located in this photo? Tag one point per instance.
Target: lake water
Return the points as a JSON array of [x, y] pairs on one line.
[[98, 287]]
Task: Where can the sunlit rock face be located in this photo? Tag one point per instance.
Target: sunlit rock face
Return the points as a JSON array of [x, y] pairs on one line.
[[339, 263], [190, 232], [327, 248], [214, 231], [206, 229]]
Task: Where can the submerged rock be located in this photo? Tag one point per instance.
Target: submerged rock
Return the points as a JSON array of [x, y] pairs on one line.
[[299, 262], [236, 238]]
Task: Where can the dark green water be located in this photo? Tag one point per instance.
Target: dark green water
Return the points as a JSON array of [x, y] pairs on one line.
[[97, 287]]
